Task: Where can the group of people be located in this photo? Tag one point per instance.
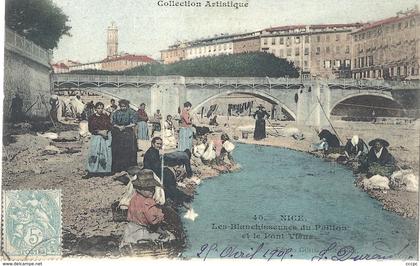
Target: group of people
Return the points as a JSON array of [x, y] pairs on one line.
[[374, 160], [115, 132]]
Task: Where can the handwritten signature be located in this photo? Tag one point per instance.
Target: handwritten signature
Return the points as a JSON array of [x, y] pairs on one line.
[[333, 252]]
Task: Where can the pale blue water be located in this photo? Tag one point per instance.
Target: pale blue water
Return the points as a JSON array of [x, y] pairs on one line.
[[275, 182]]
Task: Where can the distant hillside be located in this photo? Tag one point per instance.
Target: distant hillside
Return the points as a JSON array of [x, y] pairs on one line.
[[256, 64]]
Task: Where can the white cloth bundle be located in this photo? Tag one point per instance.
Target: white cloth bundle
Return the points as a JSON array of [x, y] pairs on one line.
[[229, 146]]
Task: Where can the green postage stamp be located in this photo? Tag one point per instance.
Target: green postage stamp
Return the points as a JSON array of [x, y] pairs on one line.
[[32, 224]]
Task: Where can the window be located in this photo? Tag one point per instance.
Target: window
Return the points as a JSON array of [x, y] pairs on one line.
[[347, 63], [306, 39], [306, 51], [305, 63], [224, 46], [297, 52], [318, 50], [273, 41], [347, 49], [281, 54], [297, 39], [327, 49], [265, 41], [327, 64], [337, 37], [281, 40], [370, 61], [337, 63], [289, 51]]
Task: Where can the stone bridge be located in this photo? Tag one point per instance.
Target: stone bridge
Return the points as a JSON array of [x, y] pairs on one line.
[[307, 101]]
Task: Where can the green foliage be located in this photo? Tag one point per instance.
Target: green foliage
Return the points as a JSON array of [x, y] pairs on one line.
[[94, 72], [255, 64], [41, 21]]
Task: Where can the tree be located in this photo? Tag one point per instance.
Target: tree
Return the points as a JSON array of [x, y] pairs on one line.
[[255, 64], [41, 21]]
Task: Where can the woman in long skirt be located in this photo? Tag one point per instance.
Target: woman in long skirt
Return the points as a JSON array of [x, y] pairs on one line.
[[124, 143], [100, 155], [260, 115], [142, 118], [185, 131]]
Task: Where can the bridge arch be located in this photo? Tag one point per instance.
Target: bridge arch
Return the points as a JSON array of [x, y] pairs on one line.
[[259, 94], [369, 95]]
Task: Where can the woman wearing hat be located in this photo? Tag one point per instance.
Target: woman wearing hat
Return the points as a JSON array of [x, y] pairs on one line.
[[124, 144], [380, 161], [355, 147], [260, 115]]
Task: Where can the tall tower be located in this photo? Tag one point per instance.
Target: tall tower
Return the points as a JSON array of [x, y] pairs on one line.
[[112, 41]]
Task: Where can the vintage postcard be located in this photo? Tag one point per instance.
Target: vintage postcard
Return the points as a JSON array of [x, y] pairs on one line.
[[266, 131]]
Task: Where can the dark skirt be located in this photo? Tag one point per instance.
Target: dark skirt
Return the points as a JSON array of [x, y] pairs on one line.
[[259, 131], [124, 149]]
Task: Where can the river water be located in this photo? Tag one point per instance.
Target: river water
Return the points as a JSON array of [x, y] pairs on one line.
[[285, 204]]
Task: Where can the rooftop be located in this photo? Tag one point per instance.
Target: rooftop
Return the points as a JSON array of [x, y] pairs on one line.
[[400, 16], [313, 26], [130, 57]]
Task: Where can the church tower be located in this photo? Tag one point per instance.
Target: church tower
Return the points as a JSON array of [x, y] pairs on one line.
[[112, 40]]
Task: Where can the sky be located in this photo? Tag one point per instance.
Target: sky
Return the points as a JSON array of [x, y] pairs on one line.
[[145, 27]]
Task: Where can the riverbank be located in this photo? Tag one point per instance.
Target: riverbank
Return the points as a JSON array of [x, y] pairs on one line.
[[403, 139], [33, 161]]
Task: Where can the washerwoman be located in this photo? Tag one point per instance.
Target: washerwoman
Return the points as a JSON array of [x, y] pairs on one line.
[[100, 154], [124, 144]]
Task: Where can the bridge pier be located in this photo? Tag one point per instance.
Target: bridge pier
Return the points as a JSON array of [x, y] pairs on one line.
[[168, 94]]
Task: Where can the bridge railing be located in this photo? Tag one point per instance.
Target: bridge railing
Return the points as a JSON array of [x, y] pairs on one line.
[[376, 83], [241, 80], [80, 78], [23, 46], [103, 78]]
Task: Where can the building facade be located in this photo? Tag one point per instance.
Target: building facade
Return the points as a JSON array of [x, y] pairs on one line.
[[389, 48], [211, 48], [330, 52], [173, 54], [222, 44], [316, 50], [247, 43], [125, 61]]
